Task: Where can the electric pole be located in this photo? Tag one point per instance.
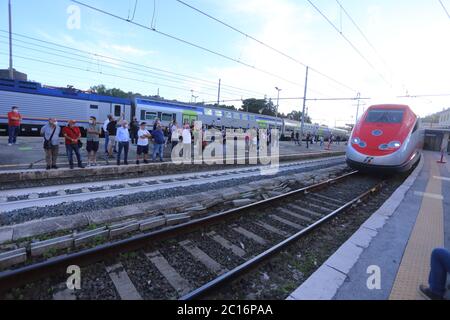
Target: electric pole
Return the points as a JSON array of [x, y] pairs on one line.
[[218, 96], [11, 69], [278, 105], [357, 110], [304, 107]]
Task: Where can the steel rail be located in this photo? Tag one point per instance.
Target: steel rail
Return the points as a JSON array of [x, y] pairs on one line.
[[268, 254], [27, 274]]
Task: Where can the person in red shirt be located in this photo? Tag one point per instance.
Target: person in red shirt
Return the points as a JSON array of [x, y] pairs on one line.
[[14, 120], [72, 134]]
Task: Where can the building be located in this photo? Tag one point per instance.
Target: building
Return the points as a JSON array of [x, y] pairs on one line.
[[444, 118], [4, 74], [437, 136]]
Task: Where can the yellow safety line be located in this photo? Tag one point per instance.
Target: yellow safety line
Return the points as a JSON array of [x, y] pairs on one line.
[[428, 233]]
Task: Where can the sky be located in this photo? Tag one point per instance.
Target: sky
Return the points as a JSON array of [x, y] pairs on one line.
[[396, 48]]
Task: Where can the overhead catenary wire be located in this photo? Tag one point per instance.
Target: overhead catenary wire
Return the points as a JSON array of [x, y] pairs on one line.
[[132, 69], [104, 57], [445, 8], [301, 98], [353, 46], [266, 45], [189, 43], [103, 73], [362, 34]]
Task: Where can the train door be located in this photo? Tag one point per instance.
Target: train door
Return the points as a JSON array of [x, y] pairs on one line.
[[189, 117]]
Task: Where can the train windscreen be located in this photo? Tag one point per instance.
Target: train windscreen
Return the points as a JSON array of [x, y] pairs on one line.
[[385, 116]]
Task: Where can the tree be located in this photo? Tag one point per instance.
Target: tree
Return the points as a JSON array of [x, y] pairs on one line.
[[297, 116], [114, 92], [259, 106]]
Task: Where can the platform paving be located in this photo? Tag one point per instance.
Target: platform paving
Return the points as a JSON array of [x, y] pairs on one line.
[[397, 241]]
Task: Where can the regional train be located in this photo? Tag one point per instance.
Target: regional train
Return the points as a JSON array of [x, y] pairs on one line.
[[387, 139], [38, 103]]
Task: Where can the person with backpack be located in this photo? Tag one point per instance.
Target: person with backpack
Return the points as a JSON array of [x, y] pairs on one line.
[[72, 134], [51, 132]]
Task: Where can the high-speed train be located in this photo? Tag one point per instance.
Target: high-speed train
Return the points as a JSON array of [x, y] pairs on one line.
[[387, 139]]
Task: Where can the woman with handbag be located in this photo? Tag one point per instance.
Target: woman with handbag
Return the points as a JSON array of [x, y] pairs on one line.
[[73, 143], [51, 132]]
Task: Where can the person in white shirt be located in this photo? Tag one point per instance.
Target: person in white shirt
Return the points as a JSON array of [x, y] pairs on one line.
[[187, 142], [143, 143], [175, 135], [123, 139], [105, 130]]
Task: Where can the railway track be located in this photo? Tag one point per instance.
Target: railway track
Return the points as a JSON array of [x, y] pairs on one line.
[[11, 200], [192, 260]]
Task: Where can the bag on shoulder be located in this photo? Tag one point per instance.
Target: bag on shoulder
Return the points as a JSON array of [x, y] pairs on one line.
[[48, 143]]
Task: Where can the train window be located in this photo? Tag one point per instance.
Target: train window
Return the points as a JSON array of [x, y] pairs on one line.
[[416, 127], [94, 107], [174, 117], [237, 116], [208, 112], [117, 110], [229, 115], [252, 118], [245, 117], [151, 116], [142, 115], [385, 116], [219, 113], [167, 117]]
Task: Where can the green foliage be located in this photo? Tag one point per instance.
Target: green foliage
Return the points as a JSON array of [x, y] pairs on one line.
[[259, 106]]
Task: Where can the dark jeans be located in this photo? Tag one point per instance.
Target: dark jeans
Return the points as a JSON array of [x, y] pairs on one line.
[[71, 149], [13, 132], [123, 147], [158, 149], [440, 267], [134, 137], [106, 141]]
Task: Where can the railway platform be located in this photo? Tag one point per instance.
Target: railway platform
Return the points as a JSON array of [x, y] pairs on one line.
[[28, 153], [389, 256]]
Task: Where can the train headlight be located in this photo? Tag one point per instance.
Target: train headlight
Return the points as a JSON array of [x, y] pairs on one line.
[[395, 145], [356, 140]]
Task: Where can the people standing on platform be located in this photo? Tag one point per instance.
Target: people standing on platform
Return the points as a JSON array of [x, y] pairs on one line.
[[338, 139], [322, 141], [112, 133], [156, 124], [143, 143], [105, 130], [175, 135], [440, 268], [187, 143], [14, 122], [123, 140], [297, 138], [51, 132], [293, 137], [93, 141], [308, 139], [72, 134], [158, 146], [134, 128]]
